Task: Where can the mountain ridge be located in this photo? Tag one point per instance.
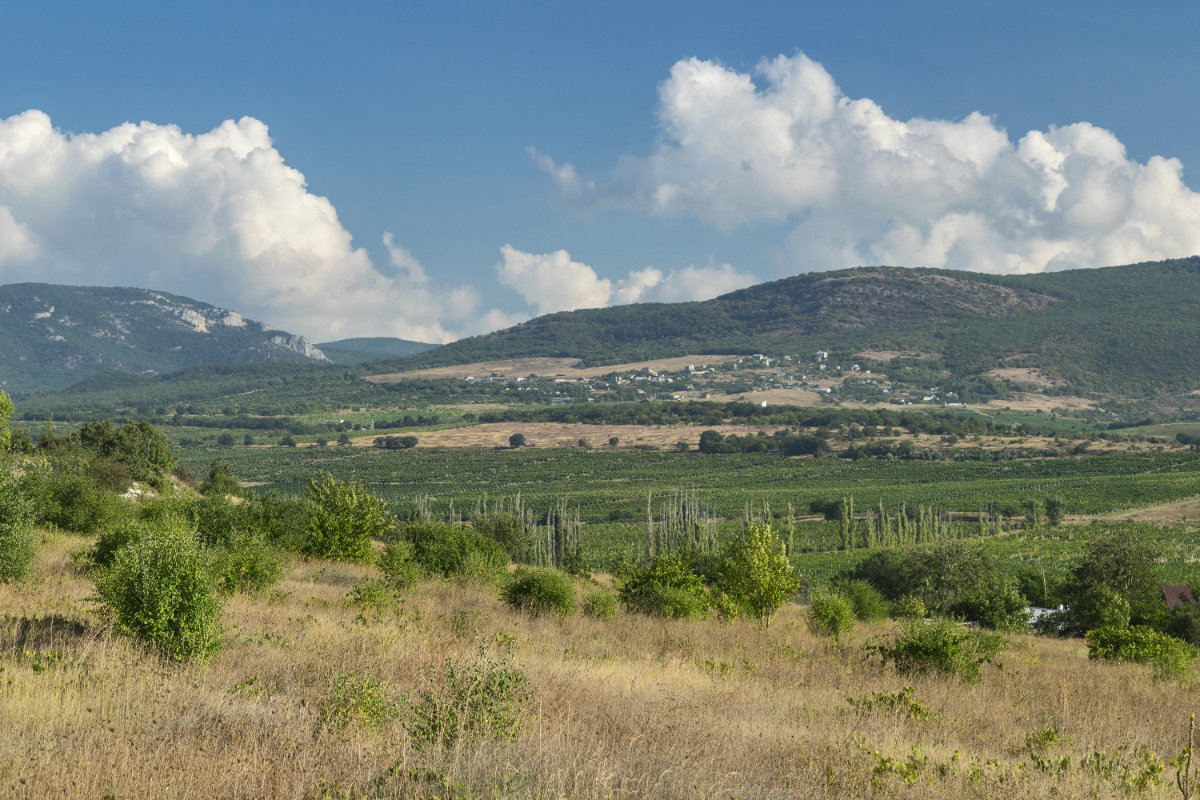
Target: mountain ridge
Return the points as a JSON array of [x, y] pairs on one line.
[[52, 336]]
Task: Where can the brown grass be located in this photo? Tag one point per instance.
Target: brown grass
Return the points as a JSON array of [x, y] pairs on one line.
[[634, 708]]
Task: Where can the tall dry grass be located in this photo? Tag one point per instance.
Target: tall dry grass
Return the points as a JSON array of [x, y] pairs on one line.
[[636, 707]]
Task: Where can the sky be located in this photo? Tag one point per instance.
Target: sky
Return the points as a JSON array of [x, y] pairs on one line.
[[434, 172]]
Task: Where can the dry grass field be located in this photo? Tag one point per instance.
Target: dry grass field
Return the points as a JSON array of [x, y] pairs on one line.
[[635, 707]]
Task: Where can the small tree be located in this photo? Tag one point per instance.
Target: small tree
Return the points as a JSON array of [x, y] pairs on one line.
[[756, 572], [516, 440], [345, 518]]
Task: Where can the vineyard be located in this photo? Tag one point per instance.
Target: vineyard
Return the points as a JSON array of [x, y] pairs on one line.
[[611, 492]]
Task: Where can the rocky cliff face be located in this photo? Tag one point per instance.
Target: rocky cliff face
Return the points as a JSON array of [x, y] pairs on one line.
[[53, 336]]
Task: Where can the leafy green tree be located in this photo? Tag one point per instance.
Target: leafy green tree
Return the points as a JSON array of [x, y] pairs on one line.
[[1122, 563], [345, 518], [6, 411], [756, 572], [516, 440]]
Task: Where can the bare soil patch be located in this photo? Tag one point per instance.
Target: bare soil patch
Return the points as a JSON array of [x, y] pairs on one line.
[[1034, 402], [553, 434], [1021, 376], [1167, 514]]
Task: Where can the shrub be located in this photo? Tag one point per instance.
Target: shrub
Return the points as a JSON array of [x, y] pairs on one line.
[[867, 601], [667, 587], [830, 614], [356, 698], [283, 521], [220, 480], [75, 503], [506, 530], [600, 605], [345, 518], [1170, 657], [246, 563], [399, 564], [908, 607], [371, 593], [483, 699], [541, 591], [454, 551], [18, 543], [940, 645], [997, 604], [160, 588]]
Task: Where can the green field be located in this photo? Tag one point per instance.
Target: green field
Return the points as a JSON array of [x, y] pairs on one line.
[[610, 489]]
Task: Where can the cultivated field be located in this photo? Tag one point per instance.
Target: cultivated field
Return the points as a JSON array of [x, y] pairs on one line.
[[635, 707]]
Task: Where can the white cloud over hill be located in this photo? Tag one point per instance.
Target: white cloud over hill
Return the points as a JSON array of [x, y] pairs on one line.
[[553, 282], [856, 186], [217, 216]]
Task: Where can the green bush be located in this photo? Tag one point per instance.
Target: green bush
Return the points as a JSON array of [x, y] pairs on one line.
[[454, 551], [541, 591], [830, 614], [667, 587], [18, 542], [372, 593], [485, 699], [907, 607], [76, 504], [1170, 657], [601, 605], [399, 564], [160, 588], [940, 645], [345, 518], [283, 521], [997, 604], [867, 601], [244, 562], [220, 481]]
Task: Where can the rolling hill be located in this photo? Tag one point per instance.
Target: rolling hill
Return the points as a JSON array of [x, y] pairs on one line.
[[1131, 329]]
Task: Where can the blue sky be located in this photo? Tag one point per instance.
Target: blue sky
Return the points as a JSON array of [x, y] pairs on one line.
[[532, 157]]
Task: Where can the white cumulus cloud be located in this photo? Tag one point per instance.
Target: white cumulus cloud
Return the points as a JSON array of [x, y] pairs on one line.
[[853, 185], [217, 216], [553, 282]]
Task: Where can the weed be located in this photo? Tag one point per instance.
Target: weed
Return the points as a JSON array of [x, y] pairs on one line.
[[482, 699], [360, 699]]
